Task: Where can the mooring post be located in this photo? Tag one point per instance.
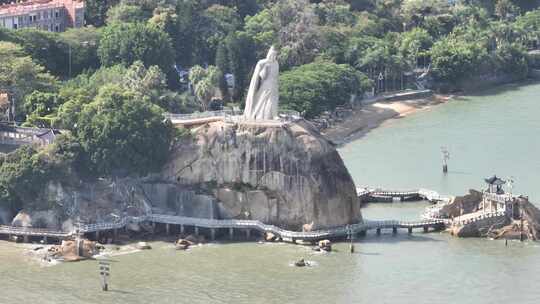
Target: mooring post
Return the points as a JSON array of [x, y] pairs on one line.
[[394, 230], [231, 233], [426, 228], [378, 231], [446, 157], [410, 230]]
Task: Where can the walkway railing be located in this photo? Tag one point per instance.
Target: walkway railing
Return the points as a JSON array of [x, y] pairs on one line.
[[424, 194], [229, 116], [230, 223]]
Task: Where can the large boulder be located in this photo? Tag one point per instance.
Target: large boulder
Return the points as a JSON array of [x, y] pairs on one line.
[[74, 250], [460, 205], [22, 219], [287, 175]]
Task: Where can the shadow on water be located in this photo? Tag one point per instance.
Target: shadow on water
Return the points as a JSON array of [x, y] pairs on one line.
[[402, 236], [450, 172], [123, 292], [501, 89]]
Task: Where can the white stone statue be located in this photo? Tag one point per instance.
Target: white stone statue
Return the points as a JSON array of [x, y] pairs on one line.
[[263, 96]]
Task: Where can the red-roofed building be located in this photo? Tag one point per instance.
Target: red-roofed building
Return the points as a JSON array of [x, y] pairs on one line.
[[48, 15]]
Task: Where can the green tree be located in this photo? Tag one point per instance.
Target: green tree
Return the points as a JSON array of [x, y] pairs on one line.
[[320, 86], [291, 25], [123, 13], [205, 84], [218, 22], [20, 75], [40, 103], [45, 48], [454, 59], [96, 11], [130, 42], [123, 134], [414, 44], [83, 43], [23, 175]]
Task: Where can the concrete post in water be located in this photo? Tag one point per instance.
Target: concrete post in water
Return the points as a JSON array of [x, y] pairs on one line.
[[426, 228], [231, 233], [446, 157], [104, 269], [521, 237], [410, 230], [394, 230], [378, 231]]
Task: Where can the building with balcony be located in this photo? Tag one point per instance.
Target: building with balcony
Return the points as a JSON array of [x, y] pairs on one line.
[[48, 15]]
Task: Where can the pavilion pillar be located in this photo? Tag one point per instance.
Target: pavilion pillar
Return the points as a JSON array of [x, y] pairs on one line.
[[394, 230], [410, 230], [45, 240], [426, 228], [196, 231], [97, 235], [26, 239], [182, 229], [213, 234], [231, 233], [167, 229], [378, 231], [248, 234]]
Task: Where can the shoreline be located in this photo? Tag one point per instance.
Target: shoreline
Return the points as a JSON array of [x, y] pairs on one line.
[[374, 115]]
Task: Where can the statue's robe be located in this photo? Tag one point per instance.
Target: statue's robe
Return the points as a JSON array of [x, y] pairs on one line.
[[263, 96]]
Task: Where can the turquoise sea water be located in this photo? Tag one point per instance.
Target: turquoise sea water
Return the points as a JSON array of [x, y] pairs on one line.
[[497, 132]]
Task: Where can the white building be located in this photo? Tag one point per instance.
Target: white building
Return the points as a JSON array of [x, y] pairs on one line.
[[48, 15]]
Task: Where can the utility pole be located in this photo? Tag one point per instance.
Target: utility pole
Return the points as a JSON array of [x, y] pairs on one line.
[[445, 158]]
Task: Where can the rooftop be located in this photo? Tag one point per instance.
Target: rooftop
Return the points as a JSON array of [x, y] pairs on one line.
[[494, 180], [33, 5]]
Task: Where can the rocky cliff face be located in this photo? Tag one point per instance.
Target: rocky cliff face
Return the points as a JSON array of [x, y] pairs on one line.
[[287, 175]]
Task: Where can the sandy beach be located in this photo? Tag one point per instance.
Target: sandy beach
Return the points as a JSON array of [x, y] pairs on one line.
[[371, 116]]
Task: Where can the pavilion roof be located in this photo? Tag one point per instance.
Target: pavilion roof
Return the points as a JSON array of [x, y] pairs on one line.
[[494, 180]]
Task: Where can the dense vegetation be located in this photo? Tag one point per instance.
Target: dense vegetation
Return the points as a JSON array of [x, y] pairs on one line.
[[109, 83]]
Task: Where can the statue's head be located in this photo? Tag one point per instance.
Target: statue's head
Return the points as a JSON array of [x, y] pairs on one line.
[[272, 54]]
